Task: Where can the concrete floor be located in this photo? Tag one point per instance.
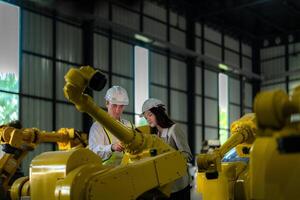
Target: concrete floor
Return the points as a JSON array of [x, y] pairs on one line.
[[194, 194]]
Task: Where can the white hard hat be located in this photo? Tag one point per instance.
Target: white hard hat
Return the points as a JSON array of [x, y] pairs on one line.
[[117, 95], [151, 103]]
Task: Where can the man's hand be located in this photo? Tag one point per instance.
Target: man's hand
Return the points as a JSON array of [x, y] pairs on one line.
[[117, 147]]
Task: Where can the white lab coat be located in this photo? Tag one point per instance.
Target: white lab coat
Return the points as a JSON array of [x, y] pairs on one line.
[[100, 143], [177, 139]]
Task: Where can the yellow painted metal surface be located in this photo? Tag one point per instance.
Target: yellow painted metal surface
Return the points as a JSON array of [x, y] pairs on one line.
[[242, 133], [77, 81], [221, 181], [19, 189], [27, 139], [48, 168], [274, 166], [84, 177], [223, 187], [275, 159], [274, 175], [78, 173]]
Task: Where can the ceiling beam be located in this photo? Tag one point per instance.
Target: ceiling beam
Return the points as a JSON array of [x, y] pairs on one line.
[[231, 28], [267, 21], [234, 8], [291, 7]]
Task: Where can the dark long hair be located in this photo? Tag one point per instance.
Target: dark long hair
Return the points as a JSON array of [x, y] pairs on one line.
[[162, 118]]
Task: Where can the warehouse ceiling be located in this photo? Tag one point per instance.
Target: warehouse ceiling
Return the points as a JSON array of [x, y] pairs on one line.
[[234, 18], [249, 19], [265, 21]]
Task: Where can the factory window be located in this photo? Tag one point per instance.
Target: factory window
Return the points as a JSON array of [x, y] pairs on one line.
[[223, 107], [9, 62], [141, 81]]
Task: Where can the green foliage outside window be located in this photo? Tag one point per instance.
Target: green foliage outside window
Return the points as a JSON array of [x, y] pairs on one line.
[[9, 82], [9, 103], [223, 117]]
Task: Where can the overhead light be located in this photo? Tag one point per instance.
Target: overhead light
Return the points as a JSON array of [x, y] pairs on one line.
[[142, 38], [223, 66], [277, 40]]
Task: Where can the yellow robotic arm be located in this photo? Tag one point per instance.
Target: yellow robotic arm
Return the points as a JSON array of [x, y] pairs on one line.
[[18, 142], [242, 131], [218, 180], [28, 138], [274, 167], [273, 170], [77, 80], [78, 174]]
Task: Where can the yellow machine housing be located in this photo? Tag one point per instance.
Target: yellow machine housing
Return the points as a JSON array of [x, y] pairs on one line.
[[274, 167], [218, 180], [21, 141], [150, 165]]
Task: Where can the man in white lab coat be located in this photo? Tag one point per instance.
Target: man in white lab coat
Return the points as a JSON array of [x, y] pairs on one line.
[[101, 141]]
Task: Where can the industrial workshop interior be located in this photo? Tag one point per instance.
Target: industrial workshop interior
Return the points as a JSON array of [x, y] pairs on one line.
[[149, 99]]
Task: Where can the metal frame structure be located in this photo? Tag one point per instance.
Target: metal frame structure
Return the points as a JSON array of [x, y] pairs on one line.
[[112, 31]]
